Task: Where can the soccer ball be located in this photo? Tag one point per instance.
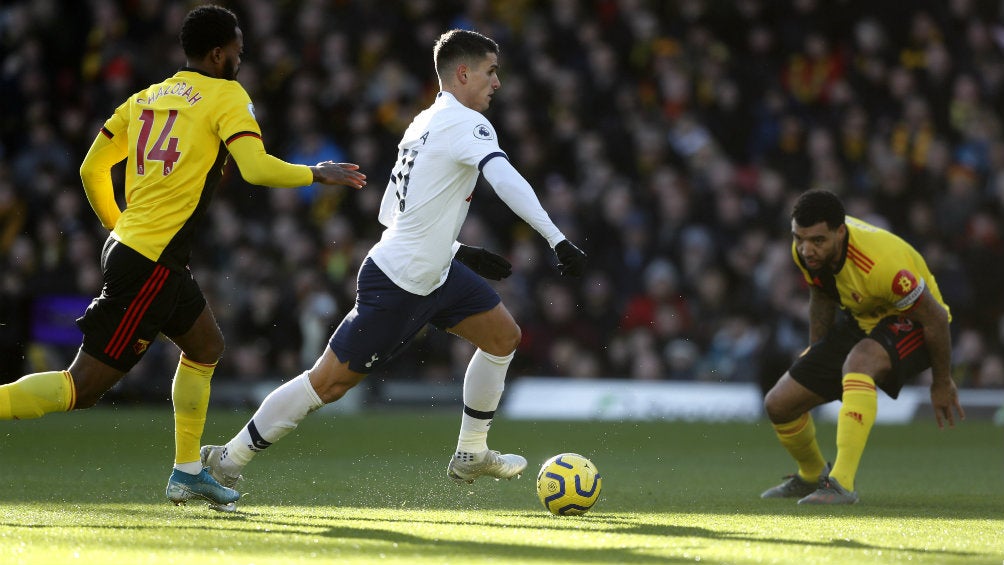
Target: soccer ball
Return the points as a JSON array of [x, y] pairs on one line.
[[568, 484]]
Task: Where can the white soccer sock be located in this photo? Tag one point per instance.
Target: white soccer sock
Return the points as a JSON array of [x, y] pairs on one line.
[[483, 386], [192, 468], [280, 413]]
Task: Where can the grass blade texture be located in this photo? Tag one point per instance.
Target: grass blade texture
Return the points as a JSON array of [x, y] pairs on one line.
[[372, 488]]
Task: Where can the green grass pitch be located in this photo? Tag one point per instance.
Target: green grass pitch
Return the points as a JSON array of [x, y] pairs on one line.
[[372, 488]]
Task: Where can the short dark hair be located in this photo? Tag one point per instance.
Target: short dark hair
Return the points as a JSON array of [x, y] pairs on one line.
[[205, 28], [459, 45], [817, 205]]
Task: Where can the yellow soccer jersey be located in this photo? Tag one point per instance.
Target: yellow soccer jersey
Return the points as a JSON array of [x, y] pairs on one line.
[[881, 275], [174, 135]]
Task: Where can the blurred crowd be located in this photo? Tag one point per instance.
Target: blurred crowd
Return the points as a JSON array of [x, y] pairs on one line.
[[667, 138]]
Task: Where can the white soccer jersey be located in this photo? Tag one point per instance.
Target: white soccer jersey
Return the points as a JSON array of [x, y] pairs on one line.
[[429, 194]]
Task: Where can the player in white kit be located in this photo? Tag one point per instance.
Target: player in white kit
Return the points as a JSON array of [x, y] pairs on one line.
[[418, 273]]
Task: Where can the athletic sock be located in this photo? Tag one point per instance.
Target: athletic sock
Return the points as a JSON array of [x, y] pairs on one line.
[[799, 438], [483, 386], [37, 394], [857, 415], [192, 468], [280, 413], [190, 396]]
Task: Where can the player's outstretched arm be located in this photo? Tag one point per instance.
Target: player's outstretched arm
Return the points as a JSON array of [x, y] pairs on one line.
[[345, 174], [516, 192], [258, 167]]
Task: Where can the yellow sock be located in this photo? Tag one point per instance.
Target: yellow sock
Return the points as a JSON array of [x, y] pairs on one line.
[[33, 395], [190, 395], [799, 438], [857, 414]]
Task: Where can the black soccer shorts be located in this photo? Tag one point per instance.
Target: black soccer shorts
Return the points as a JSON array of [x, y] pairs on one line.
[[821, 368], [139, 299]]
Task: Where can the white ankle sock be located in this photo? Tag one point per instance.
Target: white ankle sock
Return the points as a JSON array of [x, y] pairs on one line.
[[483, 386], [280, 413], [193, 468]]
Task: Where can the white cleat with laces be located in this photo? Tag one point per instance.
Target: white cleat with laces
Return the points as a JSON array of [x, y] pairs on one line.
[[464, 467], [211, 456]]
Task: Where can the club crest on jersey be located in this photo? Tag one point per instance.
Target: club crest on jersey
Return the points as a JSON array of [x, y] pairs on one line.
[[481, 131], [140, 346], [902, 325]]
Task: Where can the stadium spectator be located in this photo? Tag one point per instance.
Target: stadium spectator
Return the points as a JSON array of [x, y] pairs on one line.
[[632, 74]]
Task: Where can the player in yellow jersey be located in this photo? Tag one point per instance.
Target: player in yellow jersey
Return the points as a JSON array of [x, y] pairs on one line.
[[876, 319], [176, 137]]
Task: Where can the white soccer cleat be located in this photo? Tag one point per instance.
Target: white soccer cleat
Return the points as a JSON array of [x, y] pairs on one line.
[[211, 456], [465, 466]]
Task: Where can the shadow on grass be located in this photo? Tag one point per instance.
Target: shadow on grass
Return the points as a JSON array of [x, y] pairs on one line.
[[600, 524], [353, 524]]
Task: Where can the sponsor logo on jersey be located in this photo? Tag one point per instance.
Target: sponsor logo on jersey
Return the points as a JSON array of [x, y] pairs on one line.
[[905, 284], [481, 131], [251, 109]]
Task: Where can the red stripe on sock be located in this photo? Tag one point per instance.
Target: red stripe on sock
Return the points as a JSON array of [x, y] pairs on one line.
[[802, 422], [196, 364], [852, 384]]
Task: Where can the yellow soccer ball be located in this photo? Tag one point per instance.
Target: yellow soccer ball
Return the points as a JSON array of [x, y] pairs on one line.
[[568, 484]]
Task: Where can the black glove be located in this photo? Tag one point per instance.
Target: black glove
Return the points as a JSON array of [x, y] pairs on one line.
[[484, 262], [571, 259]]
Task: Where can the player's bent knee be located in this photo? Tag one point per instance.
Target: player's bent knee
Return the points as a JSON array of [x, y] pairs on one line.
[[207, 353], [511, 340], [332, 379], [517, 337], [503, 345], [333, 392], [777, 411]]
